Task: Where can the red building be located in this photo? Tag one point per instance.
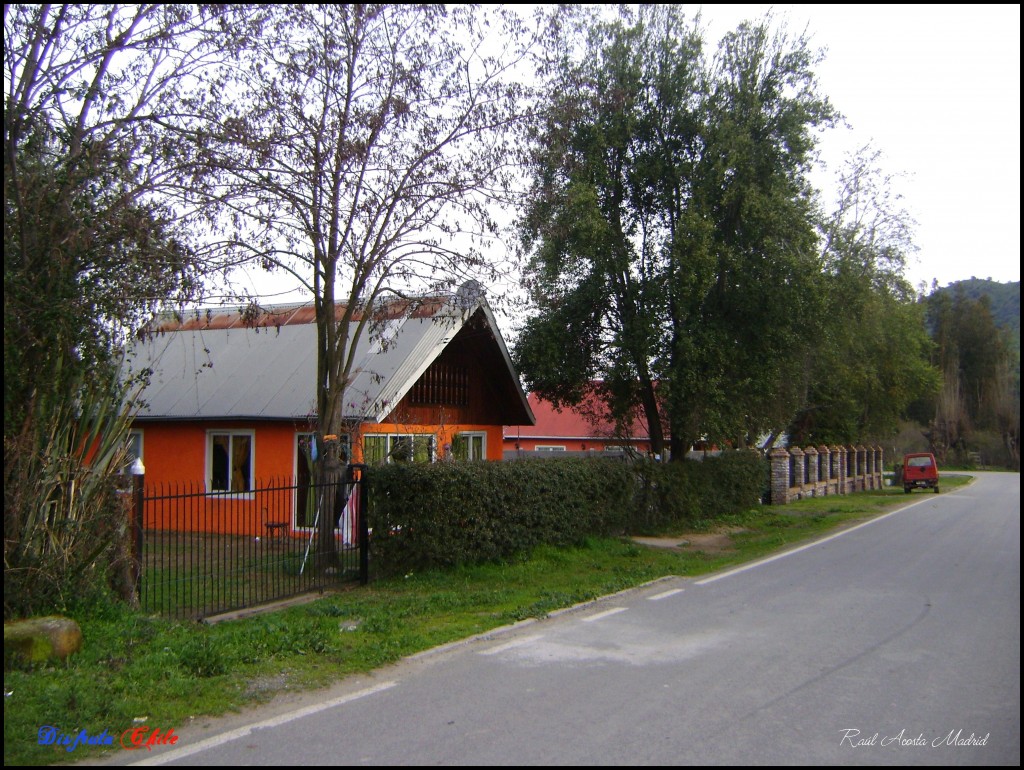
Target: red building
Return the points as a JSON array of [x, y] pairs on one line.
[[575, 431]]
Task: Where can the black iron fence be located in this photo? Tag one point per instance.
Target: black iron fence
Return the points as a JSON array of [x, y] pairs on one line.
[[202, 554]]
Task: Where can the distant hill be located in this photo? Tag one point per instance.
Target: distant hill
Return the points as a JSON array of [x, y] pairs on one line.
[[1004, 300]]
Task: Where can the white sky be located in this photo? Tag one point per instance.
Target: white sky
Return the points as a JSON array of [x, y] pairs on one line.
[[936, 88]]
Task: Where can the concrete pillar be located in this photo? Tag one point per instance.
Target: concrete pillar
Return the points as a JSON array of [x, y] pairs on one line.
[[824, 470], [779, 459], [844, 469], [811, 471], [797, 460], [861, 470]]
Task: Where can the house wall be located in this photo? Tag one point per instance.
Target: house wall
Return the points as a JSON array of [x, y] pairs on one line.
[[175, 457], [578, 430], [461, 387], [446, 407], [175, 452]]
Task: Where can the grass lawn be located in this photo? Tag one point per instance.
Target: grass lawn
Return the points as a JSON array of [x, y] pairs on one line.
[[138, 667]]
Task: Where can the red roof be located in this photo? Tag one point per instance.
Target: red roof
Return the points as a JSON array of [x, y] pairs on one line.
[[571, 423]]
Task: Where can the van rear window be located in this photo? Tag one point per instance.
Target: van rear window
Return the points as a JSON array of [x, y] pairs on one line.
[[919, 462]]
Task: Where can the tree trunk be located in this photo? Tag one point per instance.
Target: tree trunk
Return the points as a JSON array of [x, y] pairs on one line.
[[331, 475], [649, 400]]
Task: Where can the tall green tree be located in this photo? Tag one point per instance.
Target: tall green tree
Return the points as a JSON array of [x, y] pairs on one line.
[[981, 372], [670, 223], [741, 332], [873, 357], [595, 226]]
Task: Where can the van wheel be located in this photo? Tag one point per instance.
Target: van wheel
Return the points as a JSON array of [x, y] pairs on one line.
[[936, 489], [906, 489]]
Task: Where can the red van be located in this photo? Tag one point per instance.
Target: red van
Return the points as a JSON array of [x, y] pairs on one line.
[[920, 470]]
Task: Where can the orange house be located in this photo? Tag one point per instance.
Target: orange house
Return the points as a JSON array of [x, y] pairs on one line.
[[230, 405]]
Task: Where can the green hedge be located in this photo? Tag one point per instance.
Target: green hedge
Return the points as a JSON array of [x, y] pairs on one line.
[[458, 513], [672, 495], [445, 514]]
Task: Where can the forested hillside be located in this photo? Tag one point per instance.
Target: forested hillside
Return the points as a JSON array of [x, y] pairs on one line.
[[1003, 298], [975, 328]]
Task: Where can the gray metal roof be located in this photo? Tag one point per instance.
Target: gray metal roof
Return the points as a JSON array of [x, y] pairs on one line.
[[217, 367]]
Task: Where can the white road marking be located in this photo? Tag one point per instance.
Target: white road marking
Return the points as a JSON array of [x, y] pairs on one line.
[[606, 613], [524, 640], [664, 595], [241, 732]]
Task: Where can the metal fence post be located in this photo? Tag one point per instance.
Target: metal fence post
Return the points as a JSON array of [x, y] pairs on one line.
[[138, 471], [364, 526]]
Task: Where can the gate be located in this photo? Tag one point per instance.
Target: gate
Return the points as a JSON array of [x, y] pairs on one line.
[[199, 554]]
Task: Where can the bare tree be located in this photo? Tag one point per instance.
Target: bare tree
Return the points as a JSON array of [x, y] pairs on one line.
[[101, 204], [103, 199], [952, 425], [362, 146]]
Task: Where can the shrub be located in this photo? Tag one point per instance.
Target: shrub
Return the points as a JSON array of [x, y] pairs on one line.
[[461, 513], [682, 494], [65, 522], [446, 514]]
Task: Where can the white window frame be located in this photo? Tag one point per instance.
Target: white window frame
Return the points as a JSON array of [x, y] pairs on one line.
[[469, 435], [136, 437], [232, 433], [392, 438], [549, 448]]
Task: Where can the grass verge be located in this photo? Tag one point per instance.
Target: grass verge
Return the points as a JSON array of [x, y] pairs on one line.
[[136, 667]]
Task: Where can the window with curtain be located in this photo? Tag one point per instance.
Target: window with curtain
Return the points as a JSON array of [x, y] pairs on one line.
[[230, 461]]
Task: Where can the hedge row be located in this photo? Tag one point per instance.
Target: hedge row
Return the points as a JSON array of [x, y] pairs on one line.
[[682, 494], [445, 514]]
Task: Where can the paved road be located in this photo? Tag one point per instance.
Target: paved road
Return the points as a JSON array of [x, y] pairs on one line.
[[897, 642]]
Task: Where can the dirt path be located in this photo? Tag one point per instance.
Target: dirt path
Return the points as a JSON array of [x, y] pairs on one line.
[[709, 542]]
